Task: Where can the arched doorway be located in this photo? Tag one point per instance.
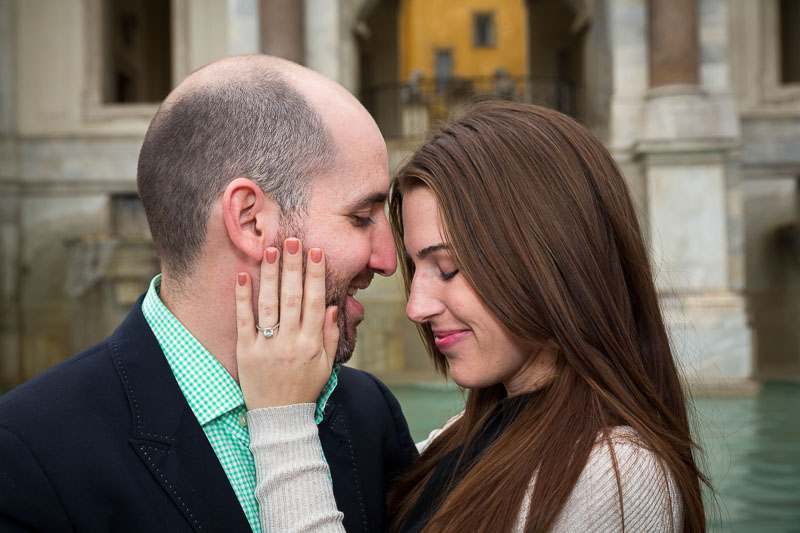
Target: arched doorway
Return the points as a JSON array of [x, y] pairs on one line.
[[556, 37]]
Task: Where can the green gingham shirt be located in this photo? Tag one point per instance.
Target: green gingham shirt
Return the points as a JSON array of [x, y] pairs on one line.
[[215, 398]]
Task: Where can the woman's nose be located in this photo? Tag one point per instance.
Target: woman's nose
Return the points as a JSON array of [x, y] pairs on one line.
[[423, 302]]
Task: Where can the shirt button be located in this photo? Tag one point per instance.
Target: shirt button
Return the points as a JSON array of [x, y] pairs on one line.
[[243, 420]]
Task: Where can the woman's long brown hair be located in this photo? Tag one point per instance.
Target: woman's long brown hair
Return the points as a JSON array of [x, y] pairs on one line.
[[542, 226]]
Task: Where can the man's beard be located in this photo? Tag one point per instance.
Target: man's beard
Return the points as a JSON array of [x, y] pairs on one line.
[[335, 292]]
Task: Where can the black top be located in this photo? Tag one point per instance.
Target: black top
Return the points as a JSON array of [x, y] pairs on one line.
[[459, 461]]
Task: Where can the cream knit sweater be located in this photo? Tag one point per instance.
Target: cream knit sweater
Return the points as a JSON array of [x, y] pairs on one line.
[[295, 493]]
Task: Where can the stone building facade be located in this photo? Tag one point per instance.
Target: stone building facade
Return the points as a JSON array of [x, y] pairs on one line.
[[699, 101]]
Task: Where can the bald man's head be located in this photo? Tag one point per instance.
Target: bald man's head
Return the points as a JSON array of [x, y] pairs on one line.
[[256, 117]]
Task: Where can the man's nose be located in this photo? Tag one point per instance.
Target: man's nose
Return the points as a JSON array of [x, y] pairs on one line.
[[383, 259]]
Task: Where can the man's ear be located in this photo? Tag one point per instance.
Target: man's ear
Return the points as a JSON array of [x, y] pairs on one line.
[[251, 217]]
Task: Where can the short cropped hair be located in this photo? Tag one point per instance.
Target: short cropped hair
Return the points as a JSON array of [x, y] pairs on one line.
[[253, 125]]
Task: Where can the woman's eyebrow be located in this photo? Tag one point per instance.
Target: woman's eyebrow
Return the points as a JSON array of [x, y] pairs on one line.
[[422, 254]]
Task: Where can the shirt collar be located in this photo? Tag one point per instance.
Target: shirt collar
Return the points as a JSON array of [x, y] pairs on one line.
[[209, 389]]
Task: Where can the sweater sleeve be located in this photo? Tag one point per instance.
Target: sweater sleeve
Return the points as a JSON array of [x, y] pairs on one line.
[[293, 486], [650, 498]]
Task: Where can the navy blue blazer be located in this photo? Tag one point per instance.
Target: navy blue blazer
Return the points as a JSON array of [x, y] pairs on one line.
[[105, 441]]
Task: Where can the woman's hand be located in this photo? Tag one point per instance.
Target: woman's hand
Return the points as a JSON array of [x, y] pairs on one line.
[[293, 365]]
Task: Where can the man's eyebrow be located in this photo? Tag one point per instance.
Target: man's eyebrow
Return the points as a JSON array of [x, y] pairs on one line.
[[368, 200], [425, 252]]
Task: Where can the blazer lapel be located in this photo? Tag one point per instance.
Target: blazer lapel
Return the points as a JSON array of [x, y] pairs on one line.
[[336, 439], [166, 435]]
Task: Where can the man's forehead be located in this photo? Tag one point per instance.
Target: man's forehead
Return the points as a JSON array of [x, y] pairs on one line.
[[358, 175], [355, 181], [359, 143], [350, 192]]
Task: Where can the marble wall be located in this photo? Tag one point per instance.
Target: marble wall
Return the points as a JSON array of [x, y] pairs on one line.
[[714, 172], [772, 207], [243, 34], [64, 158], [688, 236], [710, 338], [627, 29], [679, 147], [770, 162], [323, 37], [69, 271]]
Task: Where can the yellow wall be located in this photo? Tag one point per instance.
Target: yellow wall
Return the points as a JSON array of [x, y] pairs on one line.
[[427, 25]]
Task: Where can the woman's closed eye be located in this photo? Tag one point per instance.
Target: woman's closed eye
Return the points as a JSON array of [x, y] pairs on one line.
[[448, 276]]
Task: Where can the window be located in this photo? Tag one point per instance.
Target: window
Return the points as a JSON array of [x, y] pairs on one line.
[[444, 69], [137, 51], [789, 20], [483, 30]]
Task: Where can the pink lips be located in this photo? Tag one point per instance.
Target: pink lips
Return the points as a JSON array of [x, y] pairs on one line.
[[446, 339]]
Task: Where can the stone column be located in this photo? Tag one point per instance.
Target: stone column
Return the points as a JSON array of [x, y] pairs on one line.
[[243, 27], [324, 37], [673, 42], [282, 29], [688, 153]]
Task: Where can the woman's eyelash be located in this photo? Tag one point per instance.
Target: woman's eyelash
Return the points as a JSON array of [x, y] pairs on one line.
[[449, 275], [362, 221]]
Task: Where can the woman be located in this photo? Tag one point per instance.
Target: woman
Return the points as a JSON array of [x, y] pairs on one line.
[[528, 278]]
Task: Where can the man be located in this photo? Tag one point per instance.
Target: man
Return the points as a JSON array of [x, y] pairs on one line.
[[145, 431]]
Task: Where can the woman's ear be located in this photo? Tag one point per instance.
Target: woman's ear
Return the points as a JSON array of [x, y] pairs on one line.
[[251, 218]]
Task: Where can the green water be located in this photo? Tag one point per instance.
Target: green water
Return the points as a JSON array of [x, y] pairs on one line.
[[751, 451]]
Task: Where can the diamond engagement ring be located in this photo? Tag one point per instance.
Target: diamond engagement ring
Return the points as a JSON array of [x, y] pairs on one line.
[[268, 332]]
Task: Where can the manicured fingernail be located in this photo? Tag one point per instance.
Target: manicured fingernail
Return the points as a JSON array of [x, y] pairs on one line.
[[335, 314], [241, 279], [316, 255], [270, 255], [292, 246]]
